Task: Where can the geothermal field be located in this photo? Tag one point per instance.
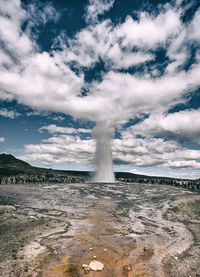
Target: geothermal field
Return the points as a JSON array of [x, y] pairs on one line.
[[99, 138], [131, 229]]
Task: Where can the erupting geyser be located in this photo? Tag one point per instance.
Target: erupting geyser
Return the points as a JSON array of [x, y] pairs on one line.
[[103, 133]]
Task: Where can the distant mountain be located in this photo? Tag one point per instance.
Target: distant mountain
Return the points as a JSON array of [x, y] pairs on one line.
[[9, 160], [10, 166]]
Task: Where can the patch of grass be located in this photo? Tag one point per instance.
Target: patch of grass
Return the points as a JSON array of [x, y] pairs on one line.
[[14, 256]]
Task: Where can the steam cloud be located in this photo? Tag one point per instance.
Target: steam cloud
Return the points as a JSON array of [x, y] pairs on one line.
[[103, 133]]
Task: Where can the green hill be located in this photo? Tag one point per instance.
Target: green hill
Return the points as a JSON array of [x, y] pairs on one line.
[[11, 166]]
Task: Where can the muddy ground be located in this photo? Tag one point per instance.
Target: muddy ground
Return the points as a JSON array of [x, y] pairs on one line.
[[133, 229]]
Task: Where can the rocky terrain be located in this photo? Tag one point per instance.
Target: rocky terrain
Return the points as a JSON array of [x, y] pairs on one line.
[[132, 229]]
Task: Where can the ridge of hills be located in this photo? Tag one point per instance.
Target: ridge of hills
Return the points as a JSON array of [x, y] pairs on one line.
[[11, 166]]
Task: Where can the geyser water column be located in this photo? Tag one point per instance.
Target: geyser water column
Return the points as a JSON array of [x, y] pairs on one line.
[[103, 133]]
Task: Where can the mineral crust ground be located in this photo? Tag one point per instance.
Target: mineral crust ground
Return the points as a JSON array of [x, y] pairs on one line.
[[51, 230]]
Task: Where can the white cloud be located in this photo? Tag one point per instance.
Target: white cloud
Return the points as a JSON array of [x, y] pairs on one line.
[[154, 152], [46, 82], [122, 96], [15, 41], [97, 7], [55, 84], [180, 47], [118, 59], [129, 150], [13, 10], [149, 31], [57, 118], [41, 13], [114, 44], [61, 149], [9, 114], [60, 88], [183, 126], [4, 59], [64, 130], [2, 139], [194, 27]]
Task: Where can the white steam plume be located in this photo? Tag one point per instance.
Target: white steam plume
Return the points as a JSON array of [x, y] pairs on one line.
[[103, 133]]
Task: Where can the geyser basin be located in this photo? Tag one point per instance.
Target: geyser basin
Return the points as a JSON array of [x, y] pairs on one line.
[[142, 234], [103, 133]]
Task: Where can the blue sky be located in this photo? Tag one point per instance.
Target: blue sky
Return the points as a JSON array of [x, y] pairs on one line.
[[131, 65]]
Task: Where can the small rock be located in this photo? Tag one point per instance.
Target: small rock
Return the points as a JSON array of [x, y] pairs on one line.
[[127, 268], [86, 267], [96, 265], [90, 248], [105, 249], [94, 257], [32, 217]]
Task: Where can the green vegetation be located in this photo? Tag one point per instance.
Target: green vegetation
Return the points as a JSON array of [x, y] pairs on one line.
[[10, 166]]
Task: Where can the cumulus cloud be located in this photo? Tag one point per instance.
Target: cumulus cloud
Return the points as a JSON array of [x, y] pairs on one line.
[[61, 149], [97, 7], [162, 28], [48, 81], [183, 126], [154, 152], [64, 130], [41, 13], [114, 44], [66, 146], [194, 27], [10, 114], [117, 59], [61, 88], [2, 139]]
